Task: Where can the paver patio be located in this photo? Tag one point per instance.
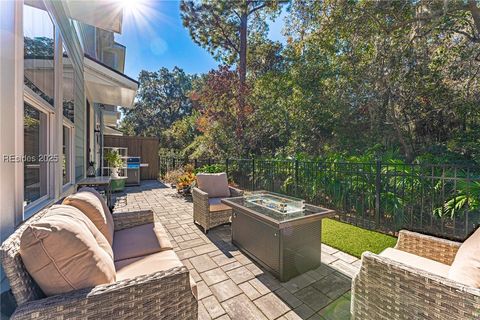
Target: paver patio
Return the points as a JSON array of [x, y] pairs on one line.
[[230, 285]]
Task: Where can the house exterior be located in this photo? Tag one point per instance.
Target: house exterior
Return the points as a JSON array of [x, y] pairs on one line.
[[61, 80]]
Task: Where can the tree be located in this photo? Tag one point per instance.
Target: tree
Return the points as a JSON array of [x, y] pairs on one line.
[[399, 73], [162, 99], [216, 101], [181, 135], [373, 78], [222, 27]]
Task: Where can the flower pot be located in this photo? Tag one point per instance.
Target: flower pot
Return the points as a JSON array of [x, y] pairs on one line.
[[114, 173], [118, 184]]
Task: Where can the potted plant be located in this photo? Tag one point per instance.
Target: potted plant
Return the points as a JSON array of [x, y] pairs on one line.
[[115, 162]]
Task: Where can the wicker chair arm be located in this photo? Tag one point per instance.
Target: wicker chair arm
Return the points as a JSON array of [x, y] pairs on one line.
[[162, 295], [235, 192], [125, 220], [429, 247], [409, 293], [196, 192], [200, 197]]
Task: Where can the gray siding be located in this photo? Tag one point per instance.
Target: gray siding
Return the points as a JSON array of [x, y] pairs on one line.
[[80, 125]]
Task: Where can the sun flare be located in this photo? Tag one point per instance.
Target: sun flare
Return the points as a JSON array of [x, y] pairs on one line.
[[130, 5], [134, 8]]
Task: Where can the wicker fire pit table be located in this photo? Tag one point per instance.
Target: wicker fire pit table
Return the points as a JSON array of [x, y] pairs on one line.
[[281, 233]]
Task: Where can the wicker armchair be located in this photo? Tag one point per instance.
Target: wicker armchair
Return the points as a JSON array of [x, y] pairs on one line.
[[161, 295], [207, 218], [387, 289]]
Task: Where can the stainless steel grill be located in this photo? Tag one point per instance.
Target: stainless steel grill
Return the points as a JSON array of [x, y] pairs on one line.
[[133, 171]]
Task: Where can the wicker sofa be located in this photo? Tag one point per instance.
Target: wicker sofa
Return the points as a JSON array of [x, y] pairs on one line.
[[208, 210], [387, 288], [155, 292]]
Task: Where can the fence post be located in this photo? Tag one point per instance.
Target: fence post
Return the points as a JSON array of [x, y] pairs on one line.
[[378, 189], [209, 161], [253, 174], [159, 167], [296, 177], [173, 163], [226, 167]]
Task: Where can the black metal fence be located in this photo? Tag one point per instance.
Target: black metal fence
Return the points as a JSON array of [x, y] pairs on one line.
[[437, 199]]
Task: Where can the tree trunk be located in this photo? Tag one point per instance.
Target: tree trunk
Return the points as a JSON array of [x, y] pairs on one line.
[[242, 70], [475, 12]]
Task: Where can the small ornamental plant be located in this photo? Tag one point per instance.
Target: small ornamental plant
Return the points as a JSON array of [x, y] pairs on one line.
[[114, 160]]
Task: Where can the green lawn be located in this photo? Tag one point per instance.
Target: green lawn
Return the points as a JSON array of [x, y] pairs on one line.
[[354, 240]]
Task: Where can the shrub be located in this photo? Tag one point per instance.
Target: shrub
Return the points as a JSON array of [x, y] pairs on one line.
[[172, 176], [213, 168], [185, 181]]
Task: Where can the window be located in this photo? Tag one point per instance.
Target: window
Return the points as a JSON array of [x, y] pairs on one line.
[[39, 52], [66, 152], [35, 154], [68, 84]]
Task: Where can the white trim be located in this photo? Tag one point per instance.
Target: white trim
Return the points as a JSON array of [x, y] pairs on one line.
[[67, 122], [67, 190], [107, 86], [104, 14], [36, 206], [19, 111], [34, 99], [11, 119], [58, 122], [50, 118], [52, 139], [105, 75]]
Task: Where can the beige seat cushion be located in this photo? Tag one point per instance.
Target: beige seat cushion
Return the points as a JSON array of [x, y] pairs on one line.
[[92, 207], [160, 261], [140, 241], [64, 251], [466, 265], [217, 205], [99, 196], [215, 184], [415, 261]]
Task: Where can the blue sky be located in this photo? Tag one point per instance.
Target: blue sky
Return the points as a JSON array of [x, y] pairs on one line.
[[155, 37]]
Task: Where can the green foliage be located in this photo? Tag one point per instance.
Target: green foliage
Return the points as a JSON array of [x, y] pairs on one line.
[[181, 134], [356, 81], [113, 158], [350, 184], [162, 99], [354, 240], [185, 182], [466, 199], [213, 168], [215, 25], [39, 47]]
